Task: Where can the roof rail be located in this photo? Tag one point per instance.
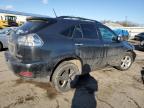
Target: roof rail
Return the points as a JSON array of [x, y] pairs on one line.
[[40, 18], [76, 18]]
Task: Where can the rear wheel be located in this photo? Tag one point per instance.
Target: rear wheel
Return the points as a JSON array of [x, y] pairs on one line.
[[125, 62], [64, 74]]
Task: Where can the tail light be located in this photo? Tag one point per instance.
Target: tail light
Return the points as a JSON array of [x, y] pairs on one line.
[[26, 74], [30, 40]]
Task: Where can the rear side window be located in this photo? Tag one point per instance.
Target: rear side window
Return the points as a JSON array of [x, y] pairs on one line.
[[74, 31], [68, 32], [34, 25], [89, 31], [77, 33]]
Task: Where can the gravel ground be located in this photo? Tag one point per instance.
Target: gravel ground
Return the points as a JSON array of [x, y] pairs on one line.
[[107, 88]]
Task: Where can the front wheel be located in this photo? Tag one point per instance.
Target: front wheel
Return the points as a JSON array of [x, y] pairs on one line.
[[64, 74], [125, 62]]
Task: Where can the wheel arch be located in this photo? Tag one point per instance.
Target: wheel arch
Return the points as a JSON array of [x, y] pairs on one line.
[[76, 60], [133, 54]]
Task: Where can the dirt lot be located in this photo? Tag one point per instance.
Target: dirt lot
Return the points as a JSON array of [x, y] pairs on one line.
[[108, 88]]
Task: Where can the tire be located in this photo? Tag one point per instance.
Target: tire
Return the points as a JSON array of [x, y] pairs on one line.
[[1, 46], [64, 75], [125, 61]]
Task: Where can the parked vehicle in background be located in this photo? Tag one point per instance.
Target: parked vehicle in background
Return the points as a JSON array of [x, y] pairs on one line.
[[124, 34], [4, 33], [139, 37], [60, 49], [8, 21]]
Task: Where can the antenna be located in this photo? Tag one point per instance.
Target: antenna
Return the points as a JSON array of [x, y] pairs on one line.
[[54, 13]]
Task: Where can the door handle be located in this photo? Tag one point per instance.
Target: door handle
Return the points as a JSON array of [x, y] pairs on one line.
[[106, 45], [79, 44]]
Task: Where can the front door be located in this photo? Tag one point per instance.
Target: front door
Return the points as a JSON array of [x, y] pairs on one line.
[[114, 49]]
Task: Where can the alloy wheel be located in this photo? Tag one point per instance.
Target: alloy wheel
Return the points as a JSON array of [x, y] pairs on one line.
[[65, 78], [126, 62]]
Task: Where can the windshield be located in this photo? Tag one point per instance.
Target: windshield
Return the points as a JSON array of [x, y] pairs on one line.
[[32, 26]]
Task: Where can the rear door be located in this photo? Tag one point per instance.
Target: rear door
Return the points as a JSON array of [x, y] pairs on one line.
[[88, 46], [113, 49]]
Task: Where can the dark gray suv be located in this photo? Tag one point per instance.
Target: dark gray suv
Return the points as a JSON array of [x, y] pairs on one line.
[[59, 49]]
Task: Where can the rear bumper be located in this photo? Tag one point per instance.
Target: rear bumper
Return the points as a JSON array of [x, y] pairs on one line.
[[40, 70]]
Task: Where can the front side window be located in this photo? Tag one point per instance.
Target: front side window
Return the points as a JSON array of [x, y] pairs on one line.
[[107, 35], [89, 31]]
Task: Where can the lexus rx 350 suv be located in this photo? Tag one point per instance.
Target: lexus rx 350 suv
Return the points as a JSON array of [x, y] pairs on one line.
[[60, 49]]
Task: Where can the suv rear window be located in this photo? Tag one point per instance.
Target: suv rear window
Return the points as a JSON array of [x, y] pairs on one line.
[[35, 25]]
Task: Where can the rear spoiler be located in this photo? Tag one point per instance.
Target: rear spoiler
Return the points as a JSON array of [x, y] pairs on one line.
[[41, 19]]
